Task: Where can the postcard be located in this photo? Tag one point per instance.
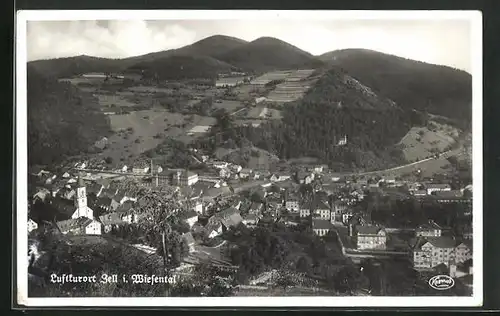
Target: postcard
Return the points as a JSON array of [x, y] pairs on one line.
[[249, 158]]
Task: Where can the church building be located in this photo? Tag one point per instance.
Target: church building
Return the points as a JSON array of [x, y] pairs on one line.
[[82, 210]]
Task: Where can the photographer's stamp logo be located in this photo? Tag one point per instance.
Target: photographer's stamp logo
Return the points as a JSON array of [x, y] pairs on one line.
[[441, 282]]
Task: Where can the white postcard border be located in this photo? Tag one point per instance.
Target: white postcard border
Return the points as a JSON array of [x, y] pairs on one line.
[[475, 17]]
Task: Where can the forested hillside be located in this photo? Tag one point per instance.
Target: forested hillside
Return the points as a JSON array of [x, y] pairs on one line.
[[62, 120], [411, 84], [334, 107], [74, 66]]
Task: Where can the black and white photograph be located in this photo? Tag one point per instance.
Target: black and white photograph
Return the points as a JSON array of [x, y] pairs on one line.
[[249, 158]]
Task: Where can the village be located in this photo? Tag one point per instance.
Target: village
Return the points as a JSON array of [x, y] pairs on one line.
[[92, 200]]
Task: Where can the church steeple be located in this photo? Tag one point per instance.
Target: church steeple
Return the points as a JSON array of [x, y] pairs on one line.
[[81, 201]]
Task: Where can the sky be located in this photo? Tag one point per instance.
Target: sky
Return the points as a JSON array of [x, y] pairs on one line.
[[443, 42]]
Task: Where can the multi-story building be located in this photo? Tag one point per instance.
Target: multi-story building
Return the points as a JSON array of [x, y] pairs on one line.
[[432, 251], [371, 237], [321, 227], [292, 204], [428, 231], [435, 187], [321, 210], [305, 209], [463, 251], [339, 212], [185, 178]]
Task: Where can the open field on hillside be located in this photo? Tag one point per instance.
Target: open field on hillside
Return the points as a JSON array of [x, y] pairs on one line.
[[107, 100], [140, 131], [289, 91], [422, 142], [150, 89], [248, 92], [270, 76]]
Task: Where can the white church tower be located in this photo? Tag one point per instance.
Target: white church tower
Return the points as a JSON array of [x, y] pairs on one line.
[[82, 210]]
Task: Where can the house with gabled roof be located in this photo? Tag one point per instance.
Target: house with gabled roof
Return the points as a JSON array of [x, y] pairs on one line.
[[114, 220], [321, 227], [250, 220], [371, 237], [428, 230], [292, 203], [190, 217], [80, 226], [279, 176], [305, 209], [428, 252], [256, 208], [463, 251], [321, 209]]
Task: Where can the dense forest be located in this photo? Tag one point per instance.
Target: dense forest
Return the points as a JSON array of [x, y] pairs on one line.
[[74, 66], [411, 84], [313, 126], [62, 121], [182, 67]]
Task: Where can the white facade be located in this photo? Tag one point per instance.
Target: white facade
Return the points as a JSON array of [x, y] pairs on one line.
[[140, 170], [82, 210], [372, 241], [304, 212], [323, 213], [292, 205], [321, 231], [93, 228], [428, 232], [431, 189], [198, 208]]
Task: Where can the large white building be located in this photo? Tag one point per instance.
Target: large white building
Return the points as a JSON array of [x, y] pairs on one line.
[[371, 237], [432, 251], [185, 178]]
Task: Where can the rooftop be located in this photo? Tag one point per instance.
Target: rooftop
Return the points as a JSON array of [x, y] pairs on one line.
[[321, 224], [368, 230]]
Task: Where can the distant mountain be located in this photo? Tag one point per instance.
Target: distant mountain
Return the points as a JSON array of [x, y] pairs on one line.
[[62, 121], [73, 66], [411, 84], [213, 52], [182, 67], [267, 53], [210, 46]]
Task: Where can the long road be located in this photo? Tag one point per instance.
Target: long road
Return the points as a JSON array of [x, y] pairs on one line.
[[446, 154]]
